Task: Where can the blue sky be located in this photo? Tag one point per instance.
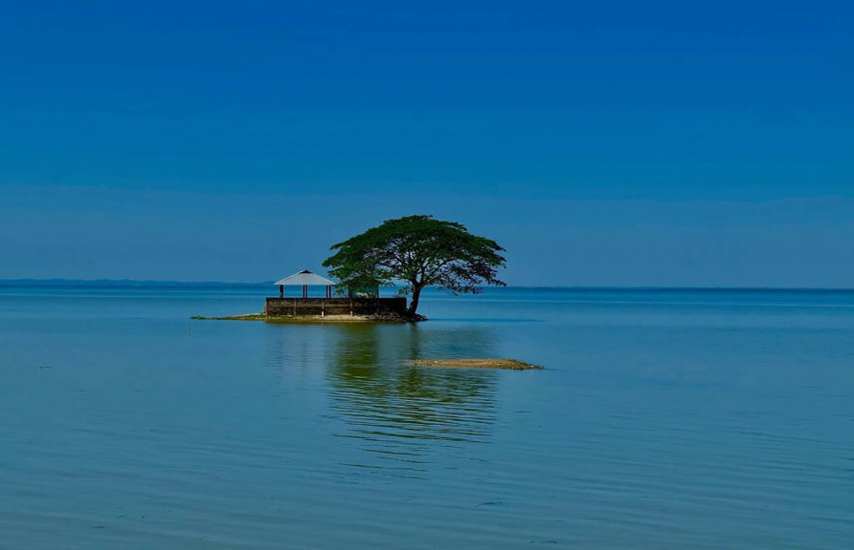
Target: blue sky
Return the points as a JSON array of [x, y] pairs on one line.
[[621, 143]]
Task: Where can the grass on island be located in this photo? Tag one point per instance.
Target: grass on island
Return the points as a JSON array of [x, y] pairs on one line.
[[304, 319], [244, 317], [507, 364]]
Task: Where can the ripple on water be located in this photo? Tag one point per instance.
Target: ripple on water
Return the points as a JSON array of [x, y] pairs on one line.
[[654, 427]]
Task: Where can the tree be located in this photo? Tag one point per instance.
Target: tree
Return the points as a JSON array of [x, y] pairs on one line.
[[418, 251]]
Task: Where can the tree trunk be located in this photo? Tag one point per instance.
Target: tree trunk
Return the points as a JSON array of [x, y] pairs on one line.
[[413, 304]]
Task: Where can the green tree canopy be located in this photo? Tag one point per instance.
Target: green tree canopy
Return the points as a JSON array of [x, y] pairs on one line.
[[418, 251]]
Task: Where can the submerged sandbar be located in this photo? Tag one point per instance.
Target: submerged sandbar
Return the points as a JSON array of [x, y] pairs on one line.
[[488, 363]]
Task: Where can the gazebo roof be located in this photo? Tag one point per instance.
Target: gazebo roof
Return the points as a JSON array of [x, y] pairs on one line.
[[305, 278]]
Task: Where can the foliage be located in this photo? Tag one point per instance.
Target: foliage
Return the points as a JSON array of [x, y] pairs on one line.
[[418, 251]]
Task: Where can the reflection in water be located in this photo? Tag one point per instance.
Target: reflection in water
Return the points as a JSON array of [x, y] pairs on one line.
[[394, 409]]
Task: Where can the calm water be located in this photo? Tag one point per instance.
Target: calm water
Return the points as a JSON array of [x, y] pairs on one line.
[[664, 420]]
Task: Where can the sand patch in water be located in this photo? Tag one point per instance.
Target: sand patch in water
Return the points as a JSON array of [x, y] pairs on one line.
[[489, 363]]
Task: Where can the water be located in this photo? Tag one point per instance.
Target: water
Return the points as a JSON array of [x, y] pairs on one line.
[[664, 419]]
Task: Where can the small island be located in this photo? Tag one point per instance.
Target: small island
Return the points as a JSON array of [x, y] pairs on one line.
[[412, 252]]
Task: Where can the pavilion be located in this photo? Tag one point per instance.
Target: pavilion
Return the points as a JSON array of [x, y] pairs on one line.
[[359, 300], [305, 279]]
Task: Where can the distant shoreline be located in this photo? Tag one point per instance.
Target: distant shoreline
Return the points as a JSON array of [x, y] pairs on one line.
[[264, 285]]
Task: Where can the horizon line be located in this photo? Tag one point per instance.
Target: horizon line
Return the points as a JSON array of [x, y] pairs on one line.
[[162, 282]]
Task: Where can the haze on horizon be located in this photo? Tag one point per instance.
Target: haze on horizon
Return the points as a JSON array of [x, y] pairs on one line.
[[619, 144]]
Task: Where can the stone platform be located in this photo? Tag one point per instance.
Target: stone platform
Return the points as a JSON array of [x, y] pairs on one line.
[[336, 306]]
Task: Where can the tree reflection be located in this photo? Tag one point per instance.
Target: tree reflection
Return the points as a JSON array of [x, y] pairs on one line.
[[397, 410]]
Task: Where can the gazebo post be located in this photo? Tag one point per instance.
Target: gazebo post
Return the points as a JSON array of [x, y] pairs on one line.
[[305, 279]]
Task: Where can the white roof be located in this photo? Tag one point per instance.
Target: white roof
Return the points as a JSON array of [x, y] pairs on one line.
[[305, 277]]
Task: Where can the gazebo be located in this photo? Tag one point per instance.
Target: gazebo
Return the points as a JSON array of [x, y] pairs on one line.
[[361, 300], [305, 279]]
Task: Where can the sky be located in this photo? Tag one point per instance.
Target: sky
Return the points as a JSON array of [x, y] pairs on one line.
[[613, 143]]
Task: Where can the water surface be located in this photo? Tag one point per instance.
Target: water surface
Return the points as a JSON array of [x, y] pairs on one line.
[[664, 419]]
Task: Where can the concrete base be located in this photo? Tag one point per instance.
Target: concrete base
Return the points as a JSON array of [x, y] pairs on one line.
[[336, 306]]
